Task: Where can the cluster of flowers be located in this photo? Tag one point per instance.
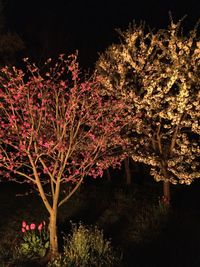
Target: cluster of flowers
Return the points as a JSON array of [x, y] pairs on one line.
[[34, 241], [32, 226]]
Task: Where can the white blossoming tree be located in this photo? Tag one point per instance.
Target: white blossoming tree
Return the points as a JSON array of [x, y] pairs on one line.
[[158, 76]]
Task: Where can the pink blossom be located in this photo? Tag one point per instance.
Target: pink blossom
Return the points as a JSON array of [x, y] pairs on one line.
[[23, 224], [27, 227], [45, 170], [77, 172], [32, 226], [40, 227], [91, 136], [62, 83], [23, 230]]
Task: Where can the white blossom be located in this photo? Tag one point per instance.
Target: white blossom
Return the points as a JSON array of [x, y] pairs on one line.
[[158, 77]]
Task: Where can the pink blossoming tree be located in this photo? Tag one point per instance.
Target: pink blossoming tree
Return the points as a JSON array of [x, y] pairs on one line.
[[56, 129]]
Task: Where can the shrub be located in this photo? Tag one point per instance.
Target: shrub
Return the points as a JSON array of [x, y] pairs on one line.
[[148, 223], [86, 246]]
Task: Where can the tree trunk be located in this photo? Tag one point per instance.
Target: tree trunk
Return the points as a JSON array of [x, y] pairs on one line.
[[53, 234], [166, 193], [127, 171], [166, 184]]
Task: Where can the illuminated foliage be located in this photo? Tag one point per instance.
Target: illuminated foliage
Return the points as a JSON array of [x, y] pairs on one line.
[[157, 74], [55, 130]]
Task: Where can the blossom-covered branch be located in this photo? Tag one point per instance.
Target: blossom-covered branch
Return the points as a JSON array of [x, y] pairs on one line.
[[157, 74]]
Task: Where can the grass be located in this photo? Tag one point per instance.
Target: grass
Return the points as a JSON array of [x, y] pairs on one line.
[[131, 216]]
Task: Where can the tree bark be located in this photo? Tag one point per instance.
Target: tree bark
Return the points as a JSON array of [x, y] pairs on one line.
[[166, 185], [53, 234], [166, 193]]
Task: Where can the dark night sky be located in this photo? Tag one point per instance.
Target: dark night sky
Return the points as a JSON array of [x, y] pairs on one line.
[[52, 27]]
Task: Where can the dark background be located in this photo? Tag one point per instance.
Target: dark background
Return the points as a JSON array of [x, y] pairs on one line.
[[49, 28]]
